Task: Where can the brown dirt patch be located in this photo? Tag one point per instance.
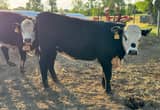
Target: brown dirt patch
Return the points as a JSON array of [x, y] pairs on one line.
[[137, 80]]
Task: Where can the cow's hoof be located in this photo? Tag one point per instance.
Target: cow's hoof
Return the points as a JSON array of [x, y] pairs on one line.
[[46, 86], [109, 92], [103, 83], [22, 70], [55, 79], [108, 88], [11, 63]]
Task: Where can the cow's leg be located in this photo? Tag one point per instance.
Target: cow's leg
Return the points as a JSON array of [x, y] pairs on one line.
[[51, 68], [107, 69], [43, 63], [23, 59], [6, 56]]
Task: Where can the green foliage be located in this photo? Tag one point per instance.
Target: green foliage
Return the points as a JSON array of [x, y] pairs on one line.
[[91, 3], [34, 5], [152, 9], [53, 5], [77, 6], [3, 4], [90, 8], [116, 6], [157, 4], [19, 8], [142, 6], [112, 3], [129, 9], [96, 7]]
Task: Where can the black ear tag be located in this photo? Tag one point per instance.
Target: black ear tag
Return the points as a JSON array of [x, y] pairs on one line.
[[116, 36]]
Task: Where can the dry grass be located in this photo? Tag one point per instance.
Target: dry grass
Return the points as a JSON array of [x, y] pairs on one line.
[[136, 83]]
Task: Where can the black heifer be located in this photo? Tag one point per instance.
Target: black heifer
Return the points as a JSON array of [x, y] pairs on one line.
[[10, 35], [81, 39]]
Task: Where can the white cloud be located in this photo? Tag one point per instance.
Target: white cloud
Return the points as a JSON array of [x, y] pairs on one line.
[[64, 4], [132, 1], [17, 3]]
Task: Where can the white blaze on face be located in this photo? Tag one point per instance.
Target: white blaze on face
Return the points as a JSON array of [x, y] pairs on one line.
[[27, 28], [133, 35]]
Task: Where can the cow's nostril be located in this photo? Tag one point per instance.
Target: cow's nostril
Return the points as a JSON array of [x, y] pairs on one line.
[[27, 40], [132, 52], [133, 45]]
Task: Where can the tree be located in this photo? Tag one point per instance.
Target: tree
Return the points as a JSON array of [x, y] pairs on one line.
[[142, 6], [77, 5], [152, 11], [93, 7], [19, 8], [34, 5], [53, 5], [3, 4], [130, 9], [86, 9], [112, 4], [157, 4], [91, 3]]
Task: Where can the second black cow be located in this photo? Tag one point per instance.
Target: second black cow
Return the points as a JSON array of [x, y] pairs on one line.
[[12, 34], [81, 39]]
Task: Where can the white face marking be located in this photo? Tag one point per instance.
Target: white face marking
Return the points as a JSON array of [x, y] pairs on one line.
[[133, 35], [27, 28]]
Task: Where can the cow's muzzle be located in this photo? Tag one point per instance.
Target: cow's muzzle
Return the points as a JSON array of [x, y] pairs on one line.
[[27, 45], [27, 40], [132, 52]]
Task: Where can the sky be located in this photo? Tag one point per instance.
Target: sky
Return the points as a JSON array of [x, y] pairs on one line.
[[64, 4]]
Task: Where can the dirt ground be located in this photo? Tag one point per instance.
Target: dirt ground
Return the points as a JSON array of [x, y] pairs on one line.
[[138, 80]]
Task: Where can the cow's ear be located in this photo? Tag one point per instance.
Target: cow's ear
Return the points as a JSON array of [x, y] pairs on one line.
[[17, 28], [115, 29], [145, 32]]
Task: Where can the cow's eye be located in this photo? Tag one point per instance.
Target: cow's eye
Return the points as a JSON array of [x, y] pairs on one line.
[[139, 40]]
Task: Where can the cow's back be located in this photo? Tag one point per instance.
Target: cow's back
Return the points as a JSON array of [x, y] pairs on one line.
[[79, 38], [72, 28], [74, 36], [7, 26]]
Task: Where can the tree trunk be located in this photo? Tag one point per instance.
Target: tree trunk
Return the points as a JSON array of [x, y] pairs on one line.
[[158, 23]]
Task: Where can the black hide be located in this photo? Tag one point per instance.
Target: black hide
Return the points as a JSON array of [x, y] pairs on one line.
[[81, 39]]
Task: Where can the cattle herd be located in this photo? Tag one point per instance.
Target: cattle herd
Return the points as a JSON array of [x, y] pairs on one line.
[[51, 33]]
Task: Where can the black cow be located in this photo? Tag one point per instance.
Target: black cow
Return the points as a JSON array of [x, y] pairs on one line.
[[81, 39], [11, 35]]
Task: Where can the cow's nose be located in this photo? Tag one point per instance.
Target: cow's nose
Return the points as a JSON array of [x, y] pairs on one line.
[[132, 52], [27, 40], [133, 45]]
